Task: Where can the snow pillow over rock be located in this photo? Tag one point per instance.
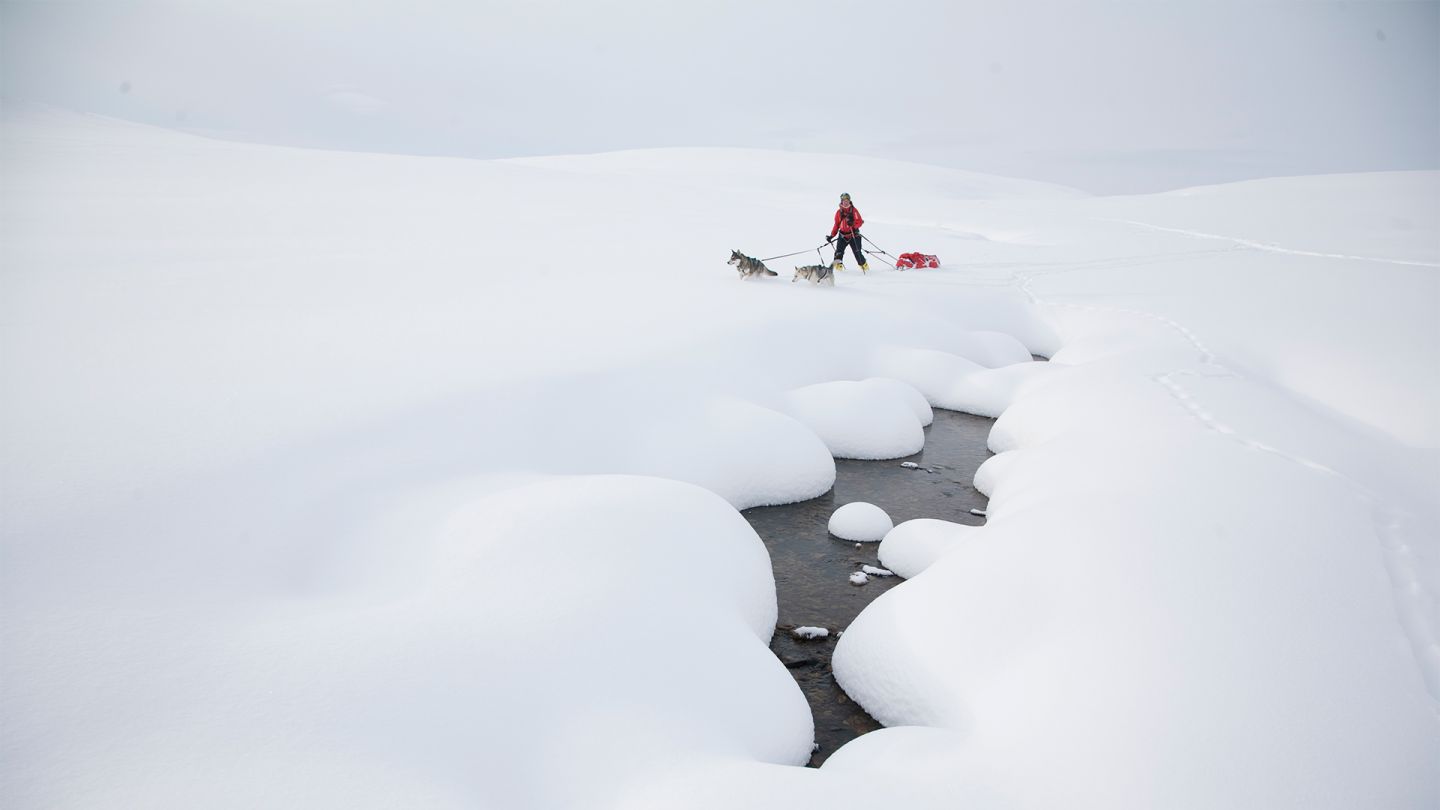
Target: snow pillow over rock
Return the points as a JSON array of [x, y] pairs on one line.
[[912, 546], [860, 522]]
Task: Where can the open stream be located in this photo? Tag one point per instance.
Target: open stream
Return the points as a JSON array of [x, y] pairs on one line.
[[812, 567]]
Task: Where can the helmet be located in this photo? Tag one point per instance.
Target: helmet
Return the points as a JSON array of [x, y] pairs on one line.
[[844, 196]]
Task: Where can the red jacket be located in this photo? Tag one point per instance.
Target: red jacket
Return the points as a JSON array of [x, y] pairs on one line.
[[841, 226]]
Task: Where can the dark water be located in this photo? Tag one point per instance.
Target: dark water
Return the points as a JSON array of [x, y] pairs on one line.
[[812, 568]]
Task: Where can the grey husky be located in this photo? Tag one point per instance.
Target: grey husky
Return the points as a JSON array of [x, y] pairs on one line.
[[817, 273], [749, 266]]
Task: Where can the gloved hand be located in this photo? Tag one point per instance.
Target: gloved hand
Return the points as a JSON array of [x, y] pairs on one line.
[[829, 238]]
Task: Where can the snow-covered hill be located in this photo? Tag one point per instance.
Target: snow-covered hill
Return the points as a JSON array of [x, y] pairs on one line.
[[364, 481]]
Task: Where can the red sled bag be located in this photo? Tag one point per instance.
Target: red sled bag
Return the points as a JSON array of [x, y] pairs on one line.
[[917, 260]]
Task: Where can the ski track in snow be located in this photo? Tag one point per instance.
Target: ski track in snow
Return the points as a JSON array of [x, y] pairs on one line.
[[1411, 597], [1022, 280], [1266, 246], [1408, 589]]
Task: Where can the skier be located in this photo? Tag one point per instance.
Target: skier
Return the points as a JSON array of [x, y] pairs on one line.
[[847, 225]]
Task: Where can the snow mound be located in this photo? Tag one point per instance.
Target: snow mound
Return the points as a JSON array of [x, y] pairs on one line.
[[749, 455], [900, 754], [860, 522], [876, 572], [872, 419], [807, 632], [959, 383], [990, 349], [906, 392], [859, 578], [914, 545], [931, 372], [990, 391], [991, 473], [867, 662], [689, 563]]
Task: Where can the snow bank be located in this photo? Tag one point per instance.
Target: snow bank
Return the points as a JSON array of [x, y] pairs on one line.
[[447, 694], [1108, 557]]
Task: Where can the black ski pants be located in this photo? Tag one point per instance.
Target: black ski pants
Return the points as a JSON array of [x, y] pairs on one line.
[[854, 242]]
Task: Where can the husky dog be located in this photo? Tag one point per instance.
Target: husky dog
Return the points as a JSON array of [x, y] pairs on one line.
[[749, 266], [817, 273]]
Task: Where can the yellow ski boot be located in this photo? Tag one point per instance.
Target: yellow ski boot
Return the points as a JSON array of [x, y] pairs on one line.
[[839, 266], [864, 268]]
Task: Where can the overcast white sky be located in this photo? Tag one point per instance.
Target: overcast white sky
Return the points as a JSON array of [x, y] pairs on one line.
[[1107, 96]]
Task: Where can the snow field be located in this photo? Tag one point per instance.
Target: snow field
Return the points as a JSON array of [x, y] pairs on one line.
[[334, 532], [326, 486]]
